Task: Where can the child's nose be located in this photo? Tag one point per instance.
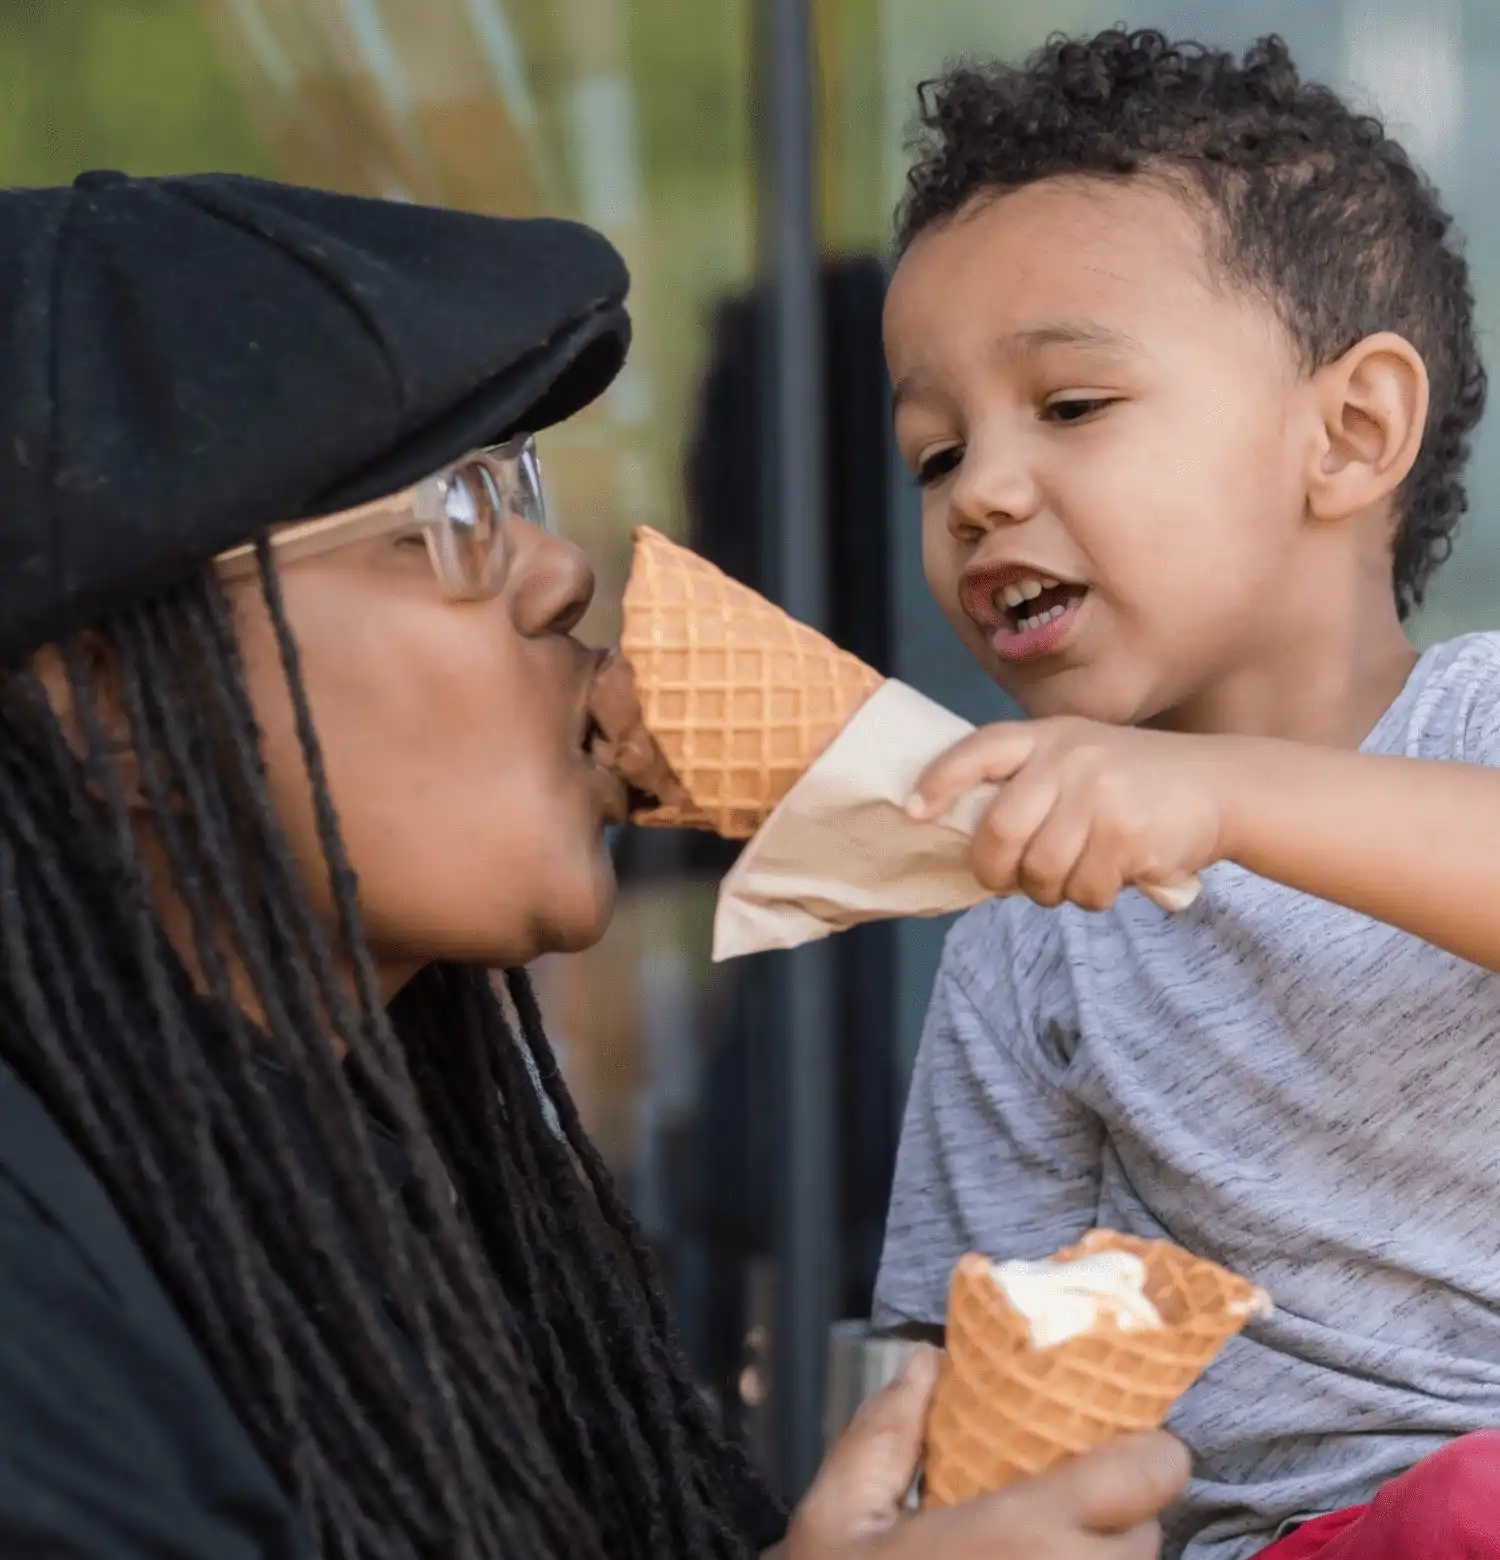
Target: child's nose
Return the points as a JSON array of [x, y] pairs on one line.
[[986, 498], [991, 489]]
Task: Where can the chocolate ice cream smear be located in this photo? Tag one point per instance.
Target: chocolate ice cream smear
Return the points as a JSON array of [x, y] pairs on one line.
[[621, 742]]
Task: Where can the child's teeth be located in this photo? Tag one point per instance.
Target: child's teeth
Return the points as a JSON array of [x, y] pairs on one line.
[[1027, 625], [1019, 591]]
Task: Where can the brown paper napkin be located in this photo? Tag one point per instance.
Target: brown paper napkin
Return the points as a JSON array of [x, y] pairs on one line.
[[840, 849]]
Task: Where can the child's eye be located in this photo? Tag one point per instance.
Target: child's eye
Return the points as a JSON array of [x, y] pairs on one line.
[[1075, 408], [939, 465], [411, 539]]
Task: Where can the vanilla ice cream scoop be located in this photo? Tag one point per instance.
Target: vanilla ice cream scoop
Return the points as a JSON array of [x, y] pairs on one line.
[[1049, 1359], [1062, 1300]]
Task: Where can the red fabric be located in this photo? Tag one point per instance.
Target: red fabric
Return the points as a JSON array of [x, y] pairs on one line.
[[1446, 1508], [1309, 1539]]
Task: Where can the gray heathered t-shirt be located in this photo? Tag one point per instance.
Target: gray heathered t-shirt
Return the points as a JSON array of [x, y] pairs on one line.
[[1307, 1096]]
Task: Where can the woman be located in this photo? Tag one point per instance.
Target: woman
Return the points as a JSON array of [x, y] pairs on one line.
[[305, 1251]]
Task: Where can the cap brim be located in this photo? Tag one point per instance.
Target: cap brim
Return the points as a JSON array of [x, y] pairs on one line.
[[558, 380]]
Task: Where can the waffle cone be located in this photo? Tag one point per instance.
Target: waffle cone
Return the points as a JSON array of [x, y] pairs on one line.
[[739, 697], [1003, 1409]]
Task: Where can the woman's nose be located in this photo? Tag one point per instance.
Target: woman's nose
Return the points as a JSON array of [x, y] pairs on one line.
[[554, 583]]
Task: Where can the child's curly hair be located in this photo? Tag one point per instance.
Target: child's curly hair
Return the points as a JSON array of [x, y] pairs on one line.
[[1314, 208]]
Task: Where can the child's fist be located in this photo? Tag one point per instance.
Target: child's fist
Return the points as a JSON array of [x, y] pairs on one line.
[[1087, 809]]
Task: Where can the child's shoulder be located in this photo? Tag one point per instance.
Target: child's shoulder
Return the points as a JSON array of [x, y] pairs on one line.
[[1010, 923], [1004, 966], [1467, 658], [1450, 707], [1009, 938]]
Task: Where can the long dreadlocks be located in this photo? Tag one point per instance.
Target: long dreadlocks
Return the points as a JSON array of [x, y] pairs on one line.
[[473, 1361]]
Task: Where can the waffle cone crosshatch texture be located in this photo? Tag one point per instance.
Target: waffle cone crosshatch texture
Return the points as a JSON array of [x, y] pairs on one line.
[[740, 698], [1004, 1409]]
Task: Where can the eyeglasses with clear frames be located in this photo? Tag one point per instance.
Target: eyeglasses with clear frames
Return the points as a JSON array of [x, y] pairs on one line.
[[460, 511]]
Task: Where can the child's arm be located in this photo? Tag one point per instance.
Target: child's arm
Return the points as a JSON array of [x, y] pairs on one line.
[[995, 1154], [1089, 809], [1415, 844]]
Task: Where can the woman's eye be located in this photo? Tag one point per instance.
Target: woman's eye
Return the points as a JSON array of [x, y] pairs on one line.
[[1076, 408], [415, 539], [941, 463]]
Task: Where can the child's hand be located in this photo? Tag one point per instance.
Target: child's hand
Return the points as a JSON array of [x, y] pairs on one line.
[[1085, 809]]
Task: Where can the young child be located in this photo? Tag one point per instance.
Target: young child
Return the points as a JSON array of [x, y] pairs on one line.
[[1184, 363]]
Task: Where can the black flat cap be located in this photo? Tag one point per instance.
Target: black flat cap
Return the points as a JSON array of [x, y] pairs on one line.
[[185, 361]]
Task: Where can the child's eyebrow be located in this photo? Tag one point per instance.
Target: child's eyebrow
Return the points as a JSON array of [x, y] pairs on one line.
[[1060, 333], [1071, 333]]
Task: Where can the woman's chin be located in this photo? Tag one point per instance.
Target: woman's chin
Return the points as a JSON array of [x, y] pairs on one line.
[[573, 916], [579, 917]]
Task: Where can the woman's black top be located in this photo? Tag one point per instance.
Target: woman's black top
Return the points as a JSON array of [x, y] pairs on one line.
[[116, 1441]]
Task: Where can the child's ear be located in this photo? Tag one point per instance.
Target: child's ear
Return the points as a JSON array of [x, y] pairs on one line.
[[1373, 404]]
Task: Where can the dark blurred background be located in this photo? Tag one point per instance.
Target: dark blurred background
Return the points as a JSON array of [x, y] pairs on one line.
[[745, 155]]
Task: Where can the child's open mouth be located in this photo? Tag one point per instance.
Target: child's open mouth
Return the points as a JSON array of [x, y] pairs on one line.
[[1036, 616]]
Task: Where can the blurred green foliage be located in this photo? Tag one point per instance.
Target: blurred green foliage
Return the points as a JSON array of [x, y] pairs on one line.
[[132, 84], [693, 106], [691, 68]]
